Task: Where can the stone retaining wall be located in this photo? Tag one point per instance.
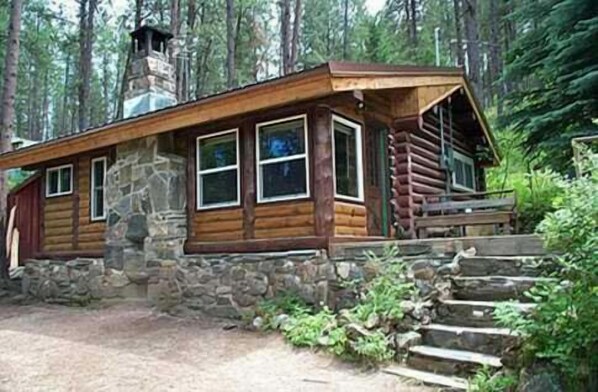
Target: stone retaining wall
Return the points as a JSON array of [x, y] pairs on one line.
[[220, 285]]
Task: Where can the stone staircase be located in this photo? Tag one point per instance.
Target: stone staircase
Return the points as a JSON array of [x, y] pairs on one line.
[[464, 336]]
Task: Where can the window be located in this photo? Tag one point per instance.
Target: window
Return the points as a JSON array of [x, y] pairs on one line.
[[218, 170], [282, 159], [463, 172], [59, 180], [98, 184], [348, 169]]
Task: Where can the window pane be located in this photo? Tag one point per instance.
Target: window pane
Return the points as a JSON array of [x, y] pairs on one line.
[[65, 179], [283, 178], [459, 176], [345, 155], [468, 176], [219, 187], [218, 151], [98, 174], [52, 182], [282, 140], [98, 207]]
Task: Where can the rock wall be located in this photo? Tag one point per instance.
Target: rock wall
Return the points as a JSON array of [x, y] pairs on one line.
[[146, 199], [228, 285], [75, 282]]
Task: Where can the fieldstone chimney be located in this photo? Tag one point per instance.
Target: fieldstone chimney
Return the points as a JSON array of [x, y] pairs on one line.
[[150, 83]]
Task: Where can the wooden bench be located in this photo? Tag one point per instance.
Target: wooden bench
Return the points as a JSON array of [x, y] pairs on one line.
[[468, 209]]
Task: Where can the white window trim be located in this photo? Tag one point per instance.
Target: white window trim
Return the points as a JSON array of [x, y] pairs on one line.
[[92, 190], [199, 172], [468, 160], [259, 163], [359, 145], [58, 168]]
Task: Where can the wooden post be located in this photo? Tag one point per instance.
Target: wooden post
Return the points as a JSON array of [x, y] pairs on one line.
[[191, 186], [76, 201], [323, 189], [247, 136]]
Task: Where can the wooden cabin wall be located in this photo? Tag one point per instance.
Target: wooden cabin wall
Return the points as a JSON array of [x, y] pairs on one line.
[[58, 223], [350, 219], [217, 225], [66, 220], [289, 219], [420, 173], [90, 233]]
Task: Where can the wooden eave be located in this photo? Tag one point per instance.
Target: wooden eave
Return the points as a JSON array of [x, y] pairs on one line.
[[328, 79]]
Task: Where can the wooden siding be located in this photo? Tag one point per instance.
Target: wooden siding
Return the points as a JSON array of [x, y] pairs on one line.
[[288, 219], [350, 219], [90, 233], [217, 225], [419, 169], [58, 223]]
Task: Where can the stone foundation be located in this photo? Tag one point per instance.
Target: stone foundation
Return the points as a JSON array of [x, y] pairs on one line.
[[219, 285], [76, 282]]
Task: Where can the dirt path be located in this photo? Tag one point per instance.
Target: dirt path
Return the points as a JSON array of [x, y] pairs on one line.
[[130, 348]]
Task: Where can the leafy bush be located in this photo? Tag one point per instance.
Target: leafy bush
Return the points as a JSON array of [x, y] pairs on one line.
[[357, 333], [285, 303], [536, 190], [563, 327], [486, 380]]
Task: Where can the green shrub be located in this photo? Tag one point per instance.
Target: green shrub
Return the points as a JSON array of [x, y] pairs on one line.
[[563, 328], [536, 190], [486, 380], [358, 333], [285, 303]]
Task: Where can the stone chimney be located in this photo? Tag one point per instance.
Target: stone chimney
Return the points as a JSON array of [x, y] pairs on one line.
[[150, 83]]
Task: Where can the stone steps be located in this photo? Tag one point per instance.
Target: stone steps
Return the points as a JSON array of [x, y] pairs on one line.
[[452, 382], [492, 341], [500, 266], [494, 288], [450, 361], [472, 313]]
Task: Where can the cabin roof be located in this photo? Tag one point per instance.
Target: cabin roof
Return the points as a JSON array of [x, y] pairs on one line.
[[326, 79]]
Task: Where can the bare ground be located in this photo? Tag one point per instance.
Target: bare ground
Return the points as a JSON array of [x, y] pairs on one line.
[[131, 348]]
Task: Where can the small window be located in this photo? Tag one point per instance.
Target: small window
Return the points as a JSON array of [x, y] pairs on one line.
[[348, 169], [218, 170], [98, 185], [282, 170], [463, 172], [59, 180]]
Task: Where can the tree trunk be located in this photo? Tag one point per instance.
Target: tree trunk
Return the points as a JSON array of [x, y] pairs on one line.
[[138, 16], [473, 44], [7, 113], [345, 29], [230, 44], [296, 33], [495, 55], [458, 33], [413, 24], [175, 29], [86, 36], [285, 36]]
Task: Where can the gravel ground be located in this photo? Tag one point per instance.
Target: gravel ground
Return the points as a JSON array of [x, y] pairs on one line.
[[130, 348]]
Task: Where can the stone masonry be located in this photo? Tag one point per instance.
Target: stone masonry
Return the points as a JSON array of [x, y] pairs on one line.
[[146, 201]]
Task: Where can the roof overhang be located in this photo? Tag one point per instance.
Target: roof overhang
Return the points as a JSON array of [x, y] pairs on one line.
[[328, 79]]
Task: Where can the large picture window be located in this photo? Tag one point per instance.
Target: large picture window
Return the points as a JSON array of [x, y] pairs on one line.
[[348, 169], [282, 170], [463, 172], [59, 180], [98, 185], [218, 170]]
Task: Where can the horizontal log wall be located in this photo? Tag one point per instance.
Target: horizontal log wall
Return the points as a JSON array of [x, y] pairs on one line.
[[90, 233], [350, 220], [217, 225], [58, 223], [290, 219]]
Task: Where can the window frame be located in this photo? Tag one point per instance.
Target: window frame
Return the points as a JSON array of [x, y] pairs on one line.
[[259, 163], [467, 160], [359, 146], [199, 172], [58, 169], [93, 218]]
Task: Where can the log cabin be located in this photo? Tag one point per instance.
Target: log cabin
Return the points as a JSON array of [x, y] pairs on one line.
[[339, 152]]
